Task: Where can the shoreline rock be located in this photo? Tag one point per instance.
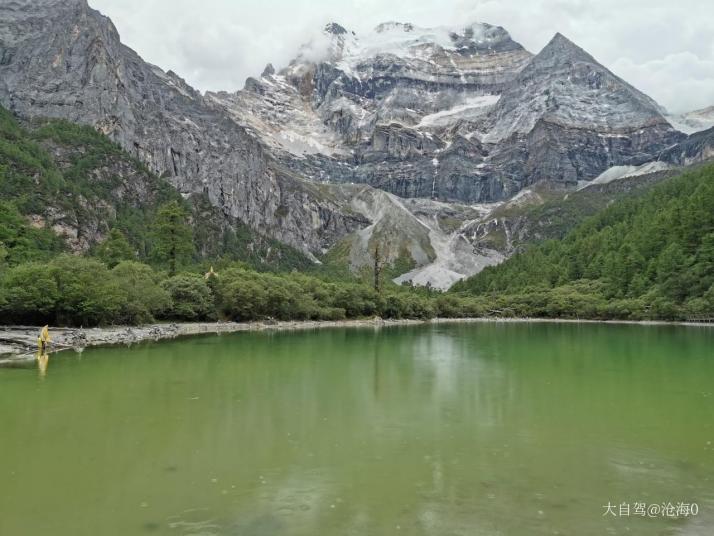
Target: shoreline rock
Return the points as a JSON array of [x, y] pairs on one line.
[[19, 343]]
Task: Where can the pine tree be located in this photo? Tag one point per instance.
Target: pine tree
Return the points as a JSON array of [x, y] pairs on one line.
[[173, 237], [115, 248]]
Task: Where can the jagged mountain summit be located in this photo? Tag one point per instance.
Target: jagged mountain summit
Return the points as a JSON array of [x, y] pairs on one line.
[[378, 109], [457, 115], [406, 135]]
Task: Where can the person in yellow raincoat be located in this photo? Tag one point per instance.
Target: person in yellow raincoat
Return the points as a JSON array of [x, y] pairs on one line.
[[44, 339], [43, 342]]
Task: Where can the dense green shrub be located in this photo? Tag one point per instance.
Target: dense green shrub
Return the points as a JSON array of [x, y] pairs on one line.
[[357, 300], [20, 241], [87, 292], [28, 295], [145, 298], [190, 296], [172, 236], [115, 249]]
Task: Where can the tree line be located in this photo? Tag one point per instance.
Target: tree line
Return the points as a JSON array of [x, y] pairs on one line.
[[83, 291], [113, 286], [648, 257]]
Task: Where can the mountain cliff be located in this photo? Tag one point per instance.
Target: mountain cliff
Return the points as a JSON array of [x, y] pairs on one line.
[[62, 59], [405, 136], [462, 116]]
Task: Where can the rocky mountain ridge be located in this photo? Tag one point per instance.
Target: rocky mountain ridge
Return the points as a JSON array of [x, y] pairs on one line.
[[460, 117], [440, 126], [62, 59]]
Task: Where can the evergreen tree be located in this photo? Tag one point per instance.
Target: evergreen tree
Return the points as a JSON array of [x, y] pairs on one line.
[[651, 256], [173, 237], [115, 249]]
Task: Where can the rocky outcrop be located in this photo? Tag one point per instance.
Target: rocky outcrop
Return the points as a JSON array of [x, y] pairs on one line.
[[457, 115], [567, 119], [466, 116], [63, 59], [697, 148]]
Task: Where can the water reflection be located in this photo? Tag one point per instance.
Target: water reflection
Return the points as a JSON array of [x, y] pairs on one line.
[[43, 360], [459, 430]]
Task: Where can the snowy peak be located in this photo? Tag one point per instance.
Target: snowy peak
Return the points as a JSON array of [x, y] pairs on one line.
[[40, 4], [406, 41], [394, 26], [334, 29], [482, 37], [561, 49], [566, 85], [396, 74], [410, 109], [473, 37]]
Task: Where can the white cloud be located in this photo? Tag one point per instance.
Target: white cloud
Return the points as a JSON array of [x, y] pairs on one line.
[[664, 48], [681, 81]]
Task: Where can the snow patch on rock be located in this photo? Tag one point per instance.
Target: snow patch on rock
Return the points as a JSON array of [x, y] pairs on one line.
[[692, 122], [622, 172], [524, 197], [456, 257], [470, 108]]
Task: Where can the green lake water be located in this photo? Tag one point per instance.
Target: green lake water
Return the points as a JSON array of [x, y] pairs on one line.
[[444, 430]]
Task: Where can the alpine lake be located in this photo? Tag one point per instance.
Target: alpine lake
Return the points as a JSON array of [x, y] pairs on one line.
[[443, 429]]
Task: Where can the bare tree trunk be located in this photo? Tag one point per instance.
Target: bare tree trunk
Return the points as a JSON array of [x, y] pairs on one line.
[[377, 269]]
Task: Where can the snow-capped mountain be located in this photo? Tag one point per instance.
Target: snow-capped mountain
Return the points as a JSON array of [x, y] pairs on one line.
[[405, 135], [463, 115]]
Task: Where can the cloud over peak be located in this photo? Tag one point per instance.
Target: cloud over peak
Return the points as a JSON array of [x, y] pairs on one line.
[[664, 48]]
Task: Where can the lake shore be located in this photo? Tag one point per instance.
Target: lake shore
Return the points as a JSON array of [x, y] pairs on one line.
[[19, 343]]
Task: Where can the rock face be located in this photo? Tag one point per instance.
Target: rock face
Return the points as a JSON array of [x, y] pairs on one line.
[[692, 122], [461, 116], [60, 58], [385, 109], [566, 119], [437, 118], [697, 148]]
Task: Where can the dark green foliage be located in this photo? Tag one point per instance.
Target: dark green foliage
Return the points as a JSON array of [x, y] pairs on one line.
[[28, 175], [80, 291], [115, 249], [191, 298], [144, 298], [650, 256], [28, 294], [21, 242], [67, 291], [86, 292], [247, 295], [407, 305], [172, 236]]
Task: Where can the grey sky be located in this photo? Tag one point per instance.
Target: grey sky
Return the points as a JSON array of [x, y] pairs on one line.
[[663, 47]]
